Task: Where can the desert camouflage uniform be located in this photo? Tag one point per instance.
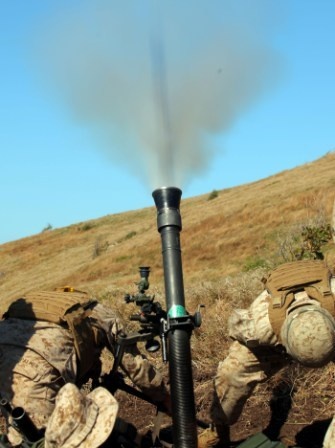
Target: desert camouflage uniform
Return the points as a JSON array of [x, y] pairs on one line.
[[242, 370], [37, 358], [254, 355]]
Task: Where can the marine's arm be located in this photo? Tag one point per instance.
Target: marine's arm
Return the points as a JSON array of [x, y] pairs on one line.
[[253, 356], [134, 364]]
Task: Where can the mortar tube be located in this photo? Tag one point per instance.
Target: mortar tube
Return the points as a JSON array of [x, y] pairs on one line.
[[167, 200], [24, 423]]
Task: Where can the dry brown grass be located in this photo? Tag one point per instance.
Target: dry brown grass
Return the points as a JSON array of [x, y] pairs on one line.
[[222, 239], [218, 237]]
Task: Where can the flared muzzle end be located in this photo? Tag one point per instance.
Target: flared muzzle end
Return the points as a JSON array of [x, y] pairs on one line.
[[167, 201], [167, 197]]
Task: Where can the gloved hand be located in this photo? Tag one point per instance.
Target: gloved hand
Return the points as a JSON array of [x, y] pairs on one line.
[[215, 435], [208, 438]]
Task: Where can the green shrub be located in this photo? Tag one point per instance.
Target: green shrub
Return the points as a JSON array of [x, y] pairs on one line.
[[130, 235], [305, 242], [314, 238], [255, 262], [47, 227], [86, 226], [214, 194]]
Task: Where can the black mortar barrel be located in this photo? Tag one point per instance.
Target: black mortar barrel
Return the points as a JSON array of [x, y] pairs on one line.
[[24, 423], [167, 200]]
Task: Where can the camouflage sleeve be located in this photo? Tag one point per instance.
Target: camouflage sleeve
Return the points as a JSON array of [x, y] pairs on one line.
[[252, 326], [141, 372], [254, 356], [238, 375], [109, 321]]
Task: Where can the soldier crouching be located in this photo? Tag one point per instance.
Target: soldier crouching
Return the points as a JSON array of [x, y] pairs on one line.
[[51, 338], [292, 319]]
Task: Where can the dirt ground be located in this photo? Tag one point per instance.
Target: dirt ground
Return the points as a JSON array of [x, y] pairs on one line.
[[295, 408], [287, 409]]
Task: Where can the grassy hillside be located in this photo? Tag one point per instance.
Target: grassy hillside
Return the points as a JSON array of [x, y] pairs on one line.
[[229, 240], [220, 236]]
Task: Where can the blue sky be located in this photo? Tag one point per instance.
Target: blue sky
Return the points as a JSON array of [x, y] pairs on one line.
[[101, 102]]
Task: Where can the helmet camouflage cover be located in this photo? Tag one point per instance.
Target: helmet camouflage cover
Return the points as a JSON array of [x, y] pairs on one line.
[[308, 334]]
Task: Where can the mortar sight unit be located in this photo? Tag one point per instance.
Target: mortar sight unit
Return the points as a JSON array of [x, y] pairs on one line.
[[141, 298], [151, 317]]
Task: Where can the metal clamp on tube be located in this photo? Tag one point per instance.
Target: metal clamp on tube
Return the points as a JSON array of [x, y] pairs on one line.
[[167, 200]]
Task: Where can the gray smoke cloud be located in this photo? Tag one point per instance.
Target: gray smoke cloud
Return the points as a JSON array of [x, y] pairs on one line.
[[155, 80]]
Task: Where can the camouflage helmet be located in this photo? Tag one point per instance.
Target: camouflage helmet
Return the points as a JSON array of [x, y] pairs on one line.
[[308, 334]]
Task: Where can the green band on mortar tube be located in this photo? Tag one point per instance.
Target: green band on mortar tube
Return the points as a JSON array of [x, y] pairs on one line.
[[177, 311]]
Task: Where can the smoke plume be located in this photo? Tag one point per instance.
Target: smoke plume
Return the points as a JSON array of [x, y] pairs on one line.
[[154, 80]]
